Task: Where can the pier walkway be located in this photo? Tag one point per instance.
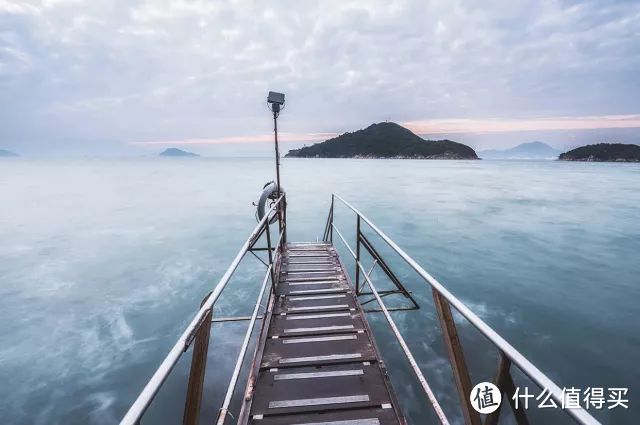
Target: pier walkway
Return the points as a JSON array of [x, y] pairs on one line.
[[318, 363], [315, 360]]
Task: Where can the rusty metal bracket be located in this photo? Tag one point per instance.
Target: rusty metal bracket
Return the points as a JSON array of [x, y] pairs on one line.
[[364, 241], [196, 329], [193, 400], [456, 358]]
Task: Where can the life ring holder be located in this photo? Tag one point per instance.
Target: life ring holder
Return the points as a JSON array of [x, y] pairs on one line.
[[269, 193]]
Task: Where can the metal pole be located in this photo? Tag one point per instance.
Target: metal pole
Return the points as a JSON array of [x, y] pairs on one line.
[[357, 256], [276, 111], [273, 277], [325, 235], [243, 351], [284, 220], [275, 132], [331, 226]]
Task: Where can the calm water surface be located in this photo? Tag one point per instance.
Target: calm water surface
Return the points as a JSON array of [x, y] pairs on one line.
[[103, 262]]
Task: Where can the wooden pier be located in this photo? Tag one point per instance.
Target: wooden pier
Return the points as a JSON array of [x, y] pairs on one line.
[[317, 362]]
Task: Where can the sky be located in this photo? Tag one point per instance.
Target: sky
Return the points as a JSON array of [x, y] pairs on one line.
[[134, 76]]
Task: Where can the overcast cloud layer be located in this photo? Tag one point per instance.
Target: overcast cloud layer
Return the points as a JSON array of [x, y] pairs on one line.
[[97, 76]]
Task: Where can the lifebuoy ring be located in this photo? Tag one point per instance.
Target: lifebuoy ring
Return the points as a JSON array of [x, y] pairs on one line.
[[269, 191]]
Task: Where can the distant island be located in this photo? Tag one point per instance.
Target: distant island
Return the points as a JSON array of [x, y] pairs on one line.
[[384, 140], [531, 150], [6, 154], [177, 152], [603, 152]]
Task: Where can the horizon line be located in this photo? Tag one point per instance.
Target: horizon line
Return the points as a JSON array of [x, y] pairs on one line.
[[440, 126]]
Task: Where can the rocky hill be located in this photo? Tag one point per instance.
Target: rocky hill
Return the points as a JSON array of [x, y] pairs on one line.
[[603, 152], [177, 152], [531, 150], [384, 140]]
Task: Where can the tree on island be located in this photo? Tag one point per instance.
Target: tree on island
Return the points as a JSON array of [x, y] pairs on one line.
[[384, 140], [603, 152]]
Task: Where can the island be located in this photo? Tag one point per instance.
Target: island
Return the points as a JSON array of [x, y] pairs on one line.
[[384, 140], [603, 152], [7, 154], [530, 150], [177, 152]]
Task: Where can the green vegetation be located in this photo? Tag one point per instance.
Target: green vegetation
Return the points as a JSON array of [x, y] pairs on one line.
[[384, 140], [603, 152]]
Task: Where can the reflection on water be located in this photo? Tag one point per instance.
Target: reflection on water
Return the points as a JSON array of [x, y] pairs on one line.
[[102, 263]]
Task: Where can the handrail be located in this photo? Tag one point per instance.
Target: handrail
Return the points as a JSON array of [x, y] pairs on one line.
[[137, 409], [423, 381], [247, 337], [394, 328], [578, 414]]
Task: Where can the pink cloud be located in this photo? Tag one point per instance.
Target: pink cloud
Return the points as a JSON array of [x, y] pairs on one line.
[[460, 125], [284, 137], [436, 126]]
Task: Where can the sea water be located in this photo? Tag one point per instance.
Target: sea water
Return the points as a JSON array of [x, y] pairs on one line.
[[104, 262]]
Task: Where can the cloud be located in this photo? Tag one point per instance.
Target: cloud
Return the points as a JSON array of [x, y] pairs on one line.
[[13, 61], [449, 126], [282, 137], [183, 70], [17, 8]]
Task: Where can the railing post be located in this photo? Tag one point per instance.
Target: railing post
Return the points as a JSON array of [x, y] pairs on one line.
[[456, 358], [284, 220], [501, 376], [504, 382], [331, 222], [198, 367], [327, 236], [358, 255], [273, 277], [280, 221]]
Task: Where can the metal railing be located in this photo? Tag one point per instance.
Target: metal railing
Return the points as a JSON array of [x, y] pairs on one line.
[[444, 300], [198, 329]]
